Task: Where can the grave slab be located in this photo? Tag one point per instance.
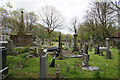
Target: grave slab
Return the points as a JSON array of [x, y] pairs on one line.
[[92, 68]]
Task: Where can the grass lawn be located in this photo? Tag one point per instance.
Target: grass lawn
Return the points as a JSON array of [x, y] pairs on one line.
[[108, 67]]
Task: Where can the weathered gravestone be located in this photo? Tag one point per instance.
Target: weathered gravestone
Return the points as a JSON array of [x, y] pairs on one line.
[[44, 64], [108, 52], [36, 51], [10, 47], [86, 59], [3, 64]]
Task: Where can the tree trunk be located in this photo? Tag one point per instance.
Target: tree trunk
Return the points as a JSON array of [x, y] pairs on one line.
[[49, 36]]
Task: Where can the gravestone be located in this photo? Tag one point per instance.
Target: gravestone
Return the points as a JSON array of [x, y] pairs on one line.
[[97, 51], [36, 51], [91, 43], [81, 50], [44, 64], [10, 47], [60, 46], [101, 52], [75, 47], [86, 48], [72, 43], [58, 71], [86, 59], [69, 42], [3, 63], [108, 55], [52, 64], [94, 43]]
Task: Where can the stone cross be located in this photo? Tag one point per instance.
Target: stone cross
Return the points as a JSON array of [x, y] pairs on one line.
[[44, 65]]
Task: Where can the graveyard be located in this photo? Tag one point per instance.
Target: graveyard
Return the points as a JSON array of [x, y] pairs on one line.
[[42, 45], [108, 68]]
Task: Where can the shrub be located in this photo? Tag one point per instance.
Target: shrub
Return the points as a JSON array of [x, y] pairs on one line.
[[25, 55], [75, 52]]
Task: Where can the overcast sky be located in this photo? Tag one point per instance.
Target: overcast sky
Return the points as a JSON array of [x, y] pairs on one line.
[[68, 8]]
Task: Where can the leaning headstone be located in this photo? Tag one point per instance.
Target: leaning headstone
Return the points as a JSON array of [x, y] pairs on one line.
[[44, 65], [52, 64], [10, 47]]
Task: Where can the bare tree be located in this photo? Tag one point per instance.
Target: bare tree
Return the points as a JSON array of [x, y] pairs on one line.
[[105, 16], [51, 18], [74, 24]]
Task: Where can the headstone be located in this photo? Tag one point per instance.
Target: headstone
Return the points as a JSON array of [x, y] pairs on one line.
[[72, 43], [81, 50], [91, 43], [108, 55], [60, 46], [58, 71], [75, 47], [44, 65], [10, 47], [3, 65], [97, 51], [52, 64], [86, 59], [86, 48], [36, 51]]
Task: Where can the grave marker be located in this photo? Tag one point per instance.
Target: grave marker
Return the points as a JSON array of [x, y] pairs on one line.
[[44, 64], [75, 47], [3, 65], [10, 47], [91, 43]]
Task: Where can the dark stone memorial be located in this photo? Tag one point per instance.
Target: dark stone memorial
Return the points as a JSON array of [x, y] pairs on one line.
[[53, 63], [3, 64]]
